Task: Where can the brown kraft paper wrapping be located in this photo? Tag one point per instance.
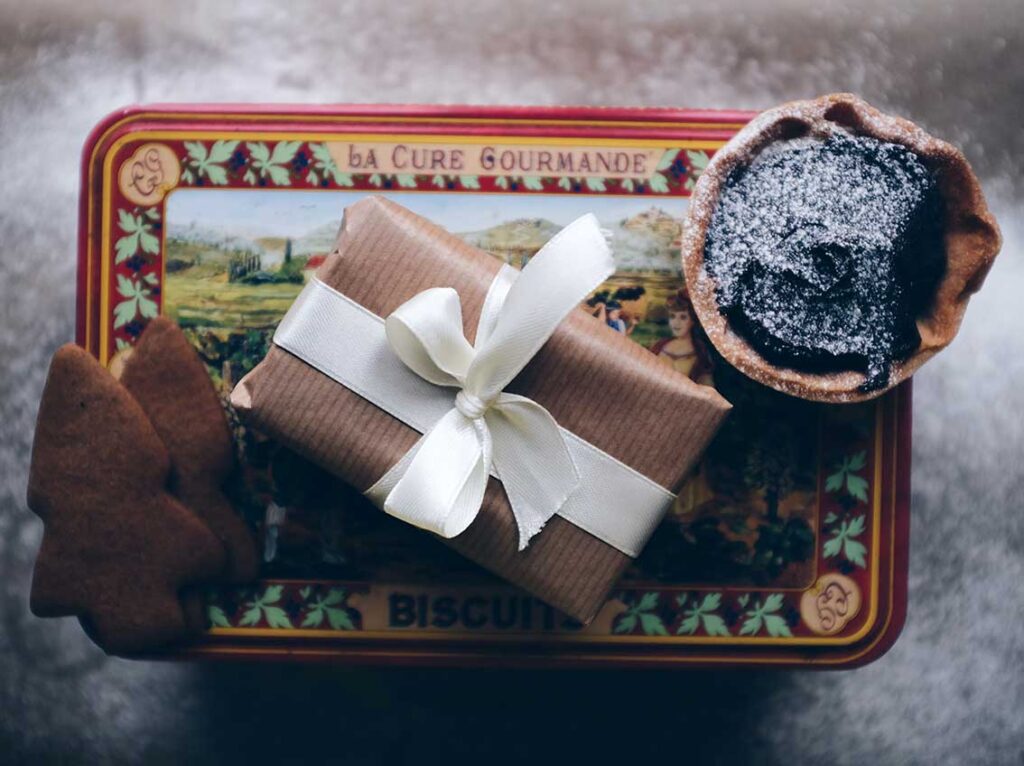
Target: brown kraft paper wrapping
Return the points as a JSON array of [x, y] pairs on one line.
[[595, 382]]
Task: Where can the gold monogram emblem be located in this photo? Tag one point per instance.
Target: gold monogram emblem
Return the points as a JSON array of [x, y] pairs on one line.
[[149, 174], [829, 605]]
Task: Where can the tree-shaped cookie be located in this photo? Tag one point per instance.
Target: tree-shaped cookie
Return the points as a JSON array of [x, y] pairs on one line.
[[117, 548], [170, 382]]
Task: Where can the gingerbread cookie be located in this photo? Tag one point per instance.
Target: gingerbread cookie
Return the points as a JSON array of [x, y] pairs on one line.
[[117, 548], [170, 382]]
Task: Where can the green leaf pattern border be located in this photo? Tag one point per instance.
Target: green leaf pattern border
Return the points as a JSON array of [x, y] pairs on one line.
[[843, 528], [712, 614], [280, 606], [309, 164]]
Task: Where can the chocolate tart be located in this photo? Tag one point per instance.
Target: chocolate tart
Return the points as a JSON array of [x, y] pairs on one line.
[[830, 250]]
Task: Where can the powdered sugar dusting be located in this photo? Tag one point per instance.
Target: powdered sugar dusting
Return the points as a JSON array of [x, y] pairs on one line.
[[826, 250]]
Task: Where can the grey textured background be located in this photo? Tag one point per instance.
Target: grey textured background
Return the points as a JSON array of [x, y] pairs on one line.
[[952, 689]]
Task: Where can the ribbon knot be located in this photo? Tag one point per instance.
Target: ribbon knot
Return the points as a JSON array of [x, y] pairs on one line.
[[439, 484], [470, 406]]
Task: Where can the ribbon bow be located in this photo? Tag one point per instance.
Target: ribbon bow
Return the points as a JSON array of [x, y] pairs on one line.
[[443, 477]]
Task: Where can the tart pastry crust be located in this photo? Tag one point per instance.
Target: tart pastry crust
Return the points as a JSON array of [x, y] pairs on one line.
[[971, 238]]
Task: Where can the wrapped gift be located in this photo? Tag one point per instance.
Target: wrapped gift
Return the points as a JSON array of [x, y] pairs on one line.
[[406, 330]]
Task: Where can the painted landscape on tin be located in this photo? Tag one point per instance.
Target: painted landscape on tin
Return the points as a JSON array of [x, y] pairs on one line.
[[235, 265]]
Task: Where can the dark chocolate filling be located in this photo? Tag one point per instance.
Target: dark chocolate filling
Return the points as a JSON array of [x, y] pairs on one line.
[[826, 251]]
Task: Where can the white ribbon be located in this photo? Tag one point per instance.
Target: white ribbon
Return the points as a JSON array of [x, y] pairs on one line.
[[439, 484], [441, 488]]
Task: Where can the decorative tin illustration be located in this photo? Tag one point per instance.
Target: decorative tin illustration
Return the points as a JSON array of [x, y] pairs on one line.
[[786, 545]]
